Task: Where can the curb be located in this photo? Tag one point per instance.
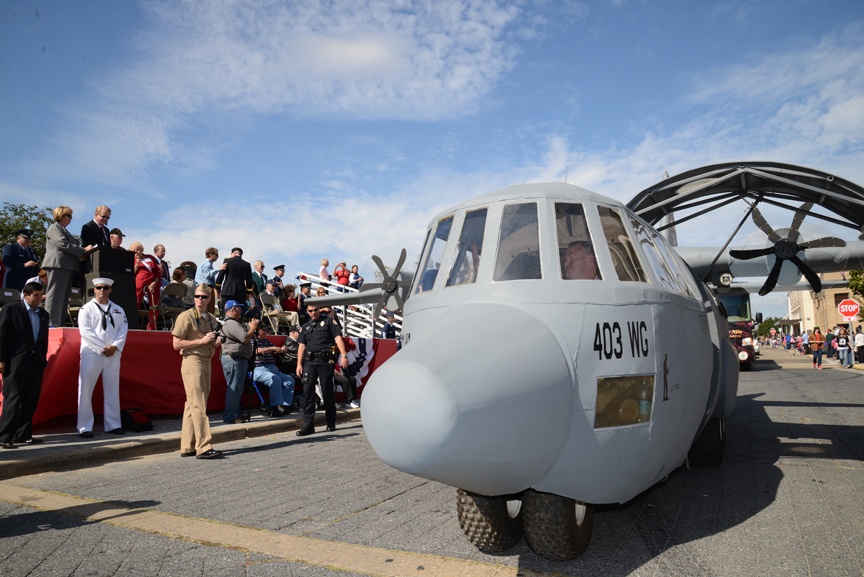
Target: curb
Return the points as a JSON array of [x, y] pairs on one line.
[[83, 455]]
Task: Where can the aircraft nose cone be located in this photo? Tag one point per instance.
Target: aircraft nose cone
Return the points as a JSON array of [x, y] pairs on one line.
[[480, 405]]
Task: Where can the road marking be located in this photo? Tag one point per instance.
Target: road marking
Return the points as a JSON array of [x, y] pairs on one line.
[[347, 557]]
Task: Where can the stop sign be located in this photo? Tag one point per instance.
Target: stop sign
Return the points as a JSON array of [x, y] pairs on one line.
[[848, 309]]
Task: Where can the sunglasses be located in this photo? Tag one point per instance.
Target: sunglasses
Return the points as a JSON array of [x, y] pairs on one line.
[[102, 288], [311, 310], [202, 296]]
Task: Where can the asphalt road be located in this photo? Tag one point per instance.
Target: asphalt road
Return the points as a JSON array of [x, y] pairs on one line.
[[788, 501]]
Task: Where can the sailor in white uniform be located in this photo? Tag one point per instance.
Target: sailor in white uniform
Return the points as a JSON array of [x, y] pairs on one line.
[[103, 327]]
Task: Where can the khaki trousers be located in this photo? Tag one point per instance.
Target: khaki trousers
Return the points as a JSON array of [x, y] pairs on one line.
[[195, 434]]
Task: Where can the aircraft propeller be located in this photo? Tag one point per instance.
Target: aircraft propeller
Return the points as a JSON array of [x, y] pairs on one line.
[[392, 298], [787, 248]]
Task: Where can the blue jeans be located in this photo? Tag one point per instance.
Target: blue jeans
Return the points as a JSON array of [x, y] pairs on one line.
[[817, 357], [281, 385], [235, 374], [845, 360]]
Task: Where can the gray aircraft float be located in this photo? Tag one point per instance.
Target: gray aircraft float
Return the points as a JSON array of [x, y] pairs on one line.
[[558, 353]]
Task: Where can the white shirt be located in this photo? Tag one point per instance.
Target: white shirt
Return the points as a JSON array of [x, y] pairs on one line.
[[859, 339], [96, 338]]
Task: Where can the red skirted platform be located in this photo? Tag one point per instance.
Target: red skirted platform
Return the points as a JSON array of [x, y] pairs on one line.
[[149, 374]]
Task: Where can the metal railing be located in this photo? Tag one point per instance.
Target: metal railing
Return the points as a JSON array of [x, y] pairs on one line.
[[357, 320]]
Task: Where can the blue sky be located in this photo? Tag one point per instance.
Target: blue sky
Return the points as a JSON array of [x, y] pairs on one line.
[[302, 130]]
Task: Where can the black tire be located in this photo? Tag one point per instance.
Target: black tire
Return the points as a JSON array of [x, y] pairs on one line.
[[556, 527], [709, 448], [492, 524]]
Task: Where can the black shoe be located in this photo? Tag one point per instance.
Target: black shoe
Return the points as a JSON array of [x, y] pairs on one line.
[[277, 411], [211, 454], [182, 454], [31, 441], [8, 445], [117, 431], [331, 428], [86, 435], [304, 432]]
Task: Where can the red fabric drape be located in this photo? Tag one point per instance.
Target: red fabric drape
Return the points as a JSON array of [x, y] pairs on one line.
[[149, 375]]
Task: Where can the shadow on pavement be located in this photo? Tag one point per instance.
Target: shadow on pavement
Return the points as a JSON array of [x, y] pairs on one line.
[[33, 522]]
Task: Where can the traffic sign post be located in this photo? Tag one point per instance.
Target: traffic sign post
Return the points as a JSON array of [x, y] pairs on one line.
[[848, 309]]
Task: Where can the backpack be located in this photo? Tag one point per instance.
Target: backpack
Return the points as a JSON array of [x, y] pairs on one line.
[[135, 420]]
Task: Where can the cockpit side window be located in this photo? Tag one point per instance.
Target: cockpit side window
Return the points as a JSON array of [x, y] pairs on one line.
[[432, 262], [518, 244], [624, 257], [464, 269], [575, 247], [663, 268]]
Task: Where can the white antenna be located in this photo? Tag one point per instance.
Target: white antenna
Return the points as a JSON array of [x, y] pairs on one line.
[[566, 173]]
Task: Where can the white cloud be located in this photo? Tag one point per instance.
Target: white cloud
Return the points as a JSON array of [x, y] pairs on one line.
[[196, 62]]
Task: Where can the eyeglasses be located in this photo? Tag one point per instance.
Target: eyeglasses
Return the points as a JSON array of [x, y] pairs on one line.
[[105, 216], [311, 310], [202, 296], [102, 288]]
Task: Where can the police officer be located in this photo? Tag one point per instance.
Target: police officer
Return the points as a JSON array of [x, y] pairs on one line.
[[20, 260], [315, 361]]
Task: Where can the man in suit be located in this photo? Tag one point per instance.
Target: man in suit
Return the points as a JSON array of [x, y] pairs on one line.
[[96, 231], [159, 253], [23, 354], [20, 260], [258, 276], [235, 277]]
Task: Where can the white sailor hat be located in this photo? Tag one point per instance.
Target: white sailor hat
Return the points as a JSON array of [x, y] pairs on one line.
[[101, 281]]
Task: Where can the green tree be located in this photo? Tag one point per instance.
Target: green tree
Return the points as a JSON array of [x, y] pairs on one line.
[[766, 325], [14, 217], [856, 285]]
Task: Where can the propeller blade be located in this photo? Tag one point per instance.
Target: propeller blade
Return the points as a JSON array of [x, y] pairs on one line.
[[380, 265], [771, 281], [798, 219], [750, 253], [824, 242], [809, 273], [763, 225], [399, 264]]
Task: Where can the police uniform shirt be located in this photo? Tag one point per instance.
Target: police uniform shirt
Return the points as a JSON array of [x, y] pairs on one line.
[[102, 326], [320, 335]]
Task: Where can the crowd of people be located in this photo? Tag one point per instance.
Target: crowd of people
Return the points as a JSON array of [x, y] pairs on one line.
[[200, 331], [839, 343]]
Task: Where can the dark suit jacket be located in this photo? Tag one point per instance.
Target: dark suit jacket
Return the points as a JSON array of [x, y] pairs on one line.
[[235, 281], [17, 348], [14, 257], [91, 233]]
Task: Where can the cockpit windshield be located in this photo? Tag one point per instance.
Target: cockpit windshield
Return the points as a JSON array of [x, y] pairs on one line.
[[464, 269], [518, 244], [432, 263], [575, 247]]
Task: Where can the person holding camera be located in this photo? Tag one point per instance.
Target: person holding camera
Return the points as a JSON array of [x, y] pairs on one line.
[[236, 352], [195, 335]]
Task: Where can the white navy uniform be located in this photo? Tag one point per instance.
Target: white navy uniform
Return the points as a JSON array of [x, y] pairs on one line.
[[95, 336]]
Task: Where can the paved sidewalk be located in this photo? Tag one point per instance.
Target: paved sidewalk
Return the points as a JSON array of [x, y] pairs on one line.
[[792, 360], [62, 448]]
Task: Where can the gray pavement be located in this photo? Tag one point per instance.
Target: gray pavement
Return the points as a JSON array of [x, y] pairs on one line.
[[787, 501], [62, 448]]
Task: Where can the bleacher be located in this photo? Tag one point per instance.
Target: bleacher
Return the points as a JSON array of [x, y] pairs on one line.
[[357, 320]]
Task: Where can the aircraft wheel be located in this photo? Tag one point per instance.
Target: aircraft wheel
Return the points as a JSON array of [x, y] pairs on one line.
[[492, 524], [709, 448], [556, 527]]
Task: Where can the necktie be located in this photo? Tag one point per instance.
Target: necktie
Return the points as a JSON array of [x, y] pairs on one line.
[[106, 316], [106, 235]]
